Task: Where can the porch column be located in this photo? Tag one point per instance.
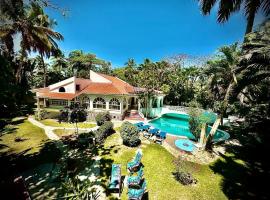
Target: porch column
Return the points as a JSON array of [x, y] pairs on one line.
[[68, 102], [139, 104], [91, 104], [38, 108], [107, 104]]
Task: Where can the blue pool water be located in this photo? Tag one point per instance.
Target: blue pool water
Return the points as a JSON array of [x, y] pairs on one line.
[[177, 124]]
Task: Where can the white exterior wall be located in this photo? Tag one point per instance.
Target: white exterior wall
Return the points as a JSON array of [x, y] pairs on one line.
[[68, 84], [70, 88], [98, 78]]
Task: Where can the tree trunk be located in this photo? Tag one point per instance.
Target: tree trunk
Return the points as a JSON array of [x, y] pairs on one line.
[[44, 72], [214, 128], [202, 136], [226, 101]]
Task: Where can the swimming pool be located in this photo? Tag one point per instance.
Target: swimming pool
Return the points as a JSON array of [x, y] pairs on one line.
[[177, 124]]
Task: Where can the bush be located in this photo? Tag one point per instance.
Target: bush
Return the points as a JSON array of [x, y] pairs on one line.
[[101, 118], [104, 131], [185, 178], [46, 115], [130, 134], [181, 173], [42, 115]]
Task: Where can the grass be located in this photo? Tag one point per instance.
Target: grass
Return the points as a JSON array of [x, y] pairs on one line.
[[54, 123], [65, 132], [32, 137], [158, 169]]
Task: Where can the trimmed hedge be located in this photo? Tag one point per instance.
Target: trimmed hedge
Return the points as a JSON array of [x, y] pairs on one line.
[[101, 118], [104, 131], [130, 134]]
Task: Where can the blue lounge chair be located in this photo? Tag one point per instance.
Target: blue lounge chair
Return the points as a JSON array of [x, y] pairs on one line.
[[135, 180], [135, 163], [153, 131], [115, 178], [161, 136], [137, 194], [139, 124], [144, 128]]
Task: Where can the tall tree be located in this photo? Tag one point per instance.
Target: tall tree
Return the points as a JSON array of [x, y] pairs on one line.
[[34, 28], [227, 7]]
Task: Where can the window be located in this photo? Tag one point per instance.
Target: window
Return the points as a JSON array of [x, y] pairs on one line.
[[114, 104], [77, 87], [99, 103], [57, 102], [85, 102], [62, 89]]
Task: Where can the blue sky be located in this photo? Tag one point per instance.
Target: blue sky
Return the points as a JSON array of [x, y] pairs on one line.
[[116, 30]]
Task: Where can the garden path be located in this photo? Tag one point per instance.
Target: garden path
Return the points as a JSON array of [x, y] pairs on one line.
[[49, 130]]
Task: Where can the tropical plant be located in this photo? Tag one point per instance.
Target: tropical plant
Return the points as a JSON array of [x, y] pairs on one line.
[[226, 8], [34, 26]]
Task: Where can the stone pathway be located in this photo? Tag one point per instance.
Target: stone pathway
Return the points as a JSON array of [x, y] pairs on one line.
[[49, 130]]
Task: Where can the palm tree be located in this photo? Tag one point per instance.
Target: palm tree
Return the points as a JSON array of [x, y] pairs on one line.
[[34, 27], [222, 80], [59, 62], [227, 7]]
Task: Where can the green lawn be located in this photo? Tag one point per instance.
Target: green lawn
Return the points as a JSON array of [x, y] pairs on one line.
[[33, 137], [158, 170], [54, 123], [65, 132]]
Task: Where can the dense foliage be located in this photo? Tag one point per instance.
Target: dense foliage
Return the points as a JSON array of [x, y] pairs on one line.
[[101, 118], [130, 134], [103, 131]]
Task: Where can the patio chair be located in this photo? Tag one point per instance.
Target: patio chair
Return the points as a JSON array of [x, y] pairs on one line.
[[135, 163], [115, 182], [139, 124], [137, 194], [135, 180], [143, 128], [153, 131], [161, 136]]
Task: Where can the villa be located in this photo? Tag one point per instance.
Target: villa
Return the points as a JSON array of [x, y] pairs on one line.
[[99, 93]]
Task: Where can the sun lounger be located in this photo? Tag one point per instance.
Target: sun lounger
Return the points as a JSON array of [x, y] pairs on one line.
[[135, 163], [135, 180], [115, 179], [153, 131], [139, 124], [144, 128], [160, 137], [137, 194]]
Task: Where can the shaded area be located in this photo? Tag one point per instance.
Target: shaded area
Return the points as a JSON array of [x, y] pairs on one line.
[[245, 167]]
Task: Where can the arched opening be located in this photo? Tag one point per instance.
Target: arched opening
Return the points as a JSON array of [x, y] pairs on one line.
[[62, 89], [114, 104], [99, 103]]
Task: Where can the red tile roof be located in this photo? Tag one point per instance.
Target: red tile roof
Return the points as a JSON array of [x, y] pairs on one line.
[[117, 86]]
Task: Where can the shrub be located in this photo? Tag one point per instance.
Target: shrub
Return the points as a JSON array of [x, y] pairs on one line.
[[42, 115], [181, 173], [130, 134], [104, 131], [194, 122], [185, 178], [102, 117]]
